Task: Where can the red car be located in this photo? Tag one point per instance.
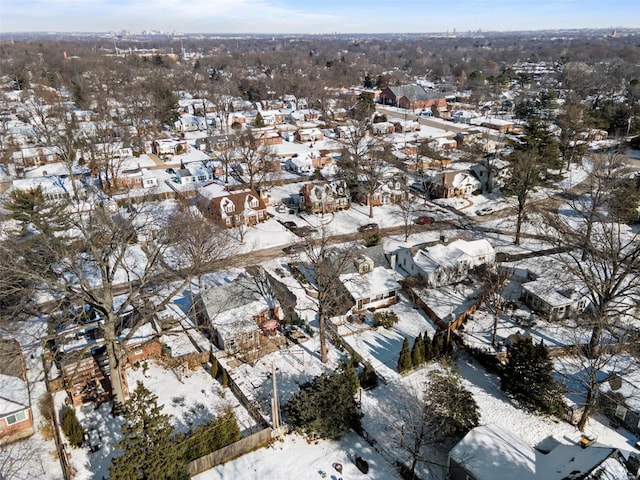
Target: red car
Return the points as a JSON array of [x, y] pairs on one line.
[[424, 220]]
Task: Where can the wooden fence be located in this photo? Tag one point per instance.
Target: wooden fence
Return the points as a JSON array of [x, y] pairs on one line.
[[235, 450]]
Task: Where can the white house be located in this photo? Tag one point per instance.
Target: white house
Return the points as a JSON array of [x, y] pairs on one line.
[[490, 452], [552, 300], [446, 264], [371, 287]]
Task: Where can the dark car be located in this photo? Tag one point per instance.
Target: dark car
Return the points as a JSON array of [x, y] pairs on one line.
[[293, 249], [425, 220], [290, 225], [369, 228]]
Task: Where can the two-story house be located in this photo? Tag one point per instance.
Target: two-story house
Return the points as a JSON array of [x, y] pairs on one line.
[[325, 197]]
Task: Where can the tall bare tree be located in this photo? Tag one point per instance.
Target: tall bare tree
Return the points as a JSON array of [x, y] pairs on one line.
[[327, 264], [604, 256]]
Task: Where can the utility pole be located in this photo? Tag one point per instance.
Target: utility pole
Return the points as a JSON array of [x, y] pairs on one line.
[[275, 405]]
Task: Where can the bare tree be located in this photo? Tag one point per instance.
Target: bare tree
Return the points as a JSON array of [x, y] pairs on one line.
[[495, 279], [255, 158], [604, 257], [364, 162], [327, 263], [114, 261]]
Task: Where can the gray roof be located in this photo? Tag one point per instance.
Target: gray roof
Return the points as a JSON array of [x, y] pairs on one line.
[[415, 93]]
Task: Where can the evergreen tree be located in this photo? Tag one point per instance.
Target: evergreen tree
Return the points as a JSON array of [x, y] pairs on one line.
[[326, 406], [71, 427], [417, 352], [259, 121], [428, 349], [368, 377], [528, 377], [451, 409], [437, 345], [404, 360], [150, 451], [225, 378], [214, 368]]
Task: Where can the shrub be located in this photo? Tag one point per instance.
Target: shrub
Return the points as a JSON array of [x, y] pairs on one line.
[[385, 319], [71, 427]]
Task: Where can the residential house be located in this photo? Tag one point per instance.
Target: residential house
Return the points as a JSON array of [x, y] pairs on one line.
[[490, 452], [309, 135], [325, 197], [169, 146], [371, 286], [54, 189], [619, 399], [491, 172], [405, 126], [502, 126], [266, 136], [412, 97], [239, 313], [16, 417], [231, 209], [390, 190], [446, 264], [454, 184], [382, 128], [554, 300]]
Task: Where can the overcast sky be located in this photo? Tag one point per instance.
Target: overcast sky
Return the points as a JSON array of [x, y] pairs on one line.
[[315, 16]]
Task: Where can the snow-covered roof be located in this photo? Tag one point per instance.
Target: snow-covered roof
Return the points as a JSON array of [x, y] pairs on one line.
[[378, 281], [490, 452], [448, 255], [14, 395]]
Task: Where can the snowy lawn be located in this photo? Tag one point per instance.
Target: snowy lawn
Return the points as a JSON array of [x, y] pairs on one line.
[[381, 347], [295, 458]]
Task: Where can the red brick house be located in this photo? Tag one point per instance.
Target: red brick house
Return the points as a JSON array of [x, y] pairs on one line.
[[230, 209], [412, 97], [16, 417]]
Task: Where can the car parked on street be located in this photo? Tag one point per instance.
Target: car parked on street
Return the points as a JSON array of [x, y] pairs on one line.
[[290, 225], [485, 211], [425, 220], [295, 248], [369, 228]]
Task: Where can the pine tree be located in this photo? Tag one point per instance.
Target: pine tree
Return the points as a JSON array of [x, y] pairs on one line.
[[368, 377], [150, 451], [428, 349], [225, 378], [528, 377], [326, 405], [417, 352], [404, 360], [71, 427], [259, 121], [214, 368], [451, 409], [437, 345]]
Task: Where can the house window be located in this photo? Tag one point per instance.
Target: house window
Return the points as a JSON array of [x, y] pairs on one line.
[[253, 203], [138, 351], [17, 417], [621, 411], [229, 207]]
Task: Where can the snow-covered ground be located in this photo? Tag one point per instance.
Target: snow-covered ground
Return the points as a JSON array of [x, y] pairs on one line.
[[295, 458]]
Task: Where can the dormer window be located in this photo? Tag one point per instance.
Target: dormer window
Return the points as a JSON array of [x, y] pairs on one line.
[[253, 203]]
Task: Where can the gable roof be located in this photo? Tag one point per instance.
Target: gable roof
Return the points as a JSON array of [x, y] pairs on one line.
[[490, 452], [414, 93]]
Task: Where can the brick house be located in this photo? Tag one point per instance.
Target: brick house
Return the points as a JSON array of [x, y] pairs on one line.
[[230, 209], [16, 417], [412, 97]]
